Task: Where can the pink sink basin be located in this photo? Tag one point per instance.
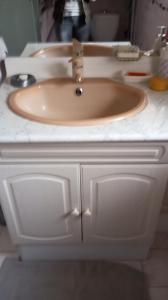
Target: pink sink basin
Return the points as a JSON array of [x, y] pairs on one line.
[[54, 101]]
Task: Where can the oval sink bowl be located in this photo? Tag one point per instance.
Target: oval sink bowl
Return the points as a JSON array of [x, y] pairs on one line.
[[54, 101], [66, 50]]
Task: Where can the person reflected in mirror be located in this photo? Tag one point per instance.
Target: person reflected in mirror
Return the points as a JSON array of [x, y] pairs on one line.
[[72, 19]]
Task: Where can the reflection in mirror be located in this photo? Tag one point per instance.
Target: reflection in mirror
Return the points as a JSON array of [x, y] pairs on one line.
[[121, 20], [147, 15], [109, 20]]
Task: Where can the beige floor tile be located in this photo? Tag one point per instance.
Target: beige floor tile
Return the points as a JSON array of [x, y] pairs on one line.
[[5, 241], [156, 268], [158, 293], [4, 255]]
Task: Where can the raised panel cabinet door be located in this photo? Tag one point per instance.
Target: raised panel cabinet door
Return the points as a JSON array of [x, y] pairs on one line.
[[121, 203], [41, 203]]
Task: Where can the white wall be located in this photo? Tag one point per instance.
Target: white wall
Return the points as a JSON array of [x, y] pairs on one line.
[[149, 14]]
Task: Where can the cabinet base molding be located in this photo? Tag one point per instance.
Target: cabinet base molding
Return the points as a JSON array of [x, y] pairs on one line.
[[83, 252]]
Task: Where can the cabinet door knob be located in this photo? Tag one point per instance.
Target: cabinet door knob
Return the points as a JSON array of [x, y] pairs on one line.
[[75, 212], [87, 213]]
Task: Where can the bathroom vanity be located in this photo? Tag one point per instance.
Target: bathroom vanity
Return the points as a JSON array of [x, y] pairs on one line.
[[83, 200], [89, 192]]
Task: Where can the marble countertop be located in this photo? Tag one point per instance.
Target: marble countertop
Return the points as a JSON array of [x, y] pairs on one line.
[[149, 125]]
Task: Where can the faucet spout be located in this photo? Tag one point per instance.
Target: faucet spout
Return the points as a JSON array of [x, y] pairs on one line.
[[77, 61], [78, 78]]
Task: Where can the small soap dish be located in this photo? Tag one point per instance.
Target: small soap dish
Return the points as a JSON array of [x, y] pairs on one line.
[[135, 76], [128, 53], [22, 80]]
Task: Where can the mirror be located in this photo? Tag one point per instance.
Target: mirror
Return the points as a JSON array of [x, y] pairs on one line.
[[116, 14], [30, 21]]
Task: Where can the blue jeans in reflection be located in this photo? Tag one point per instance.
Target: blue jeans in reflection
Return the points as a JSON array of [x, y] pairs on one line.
[[73, 27]]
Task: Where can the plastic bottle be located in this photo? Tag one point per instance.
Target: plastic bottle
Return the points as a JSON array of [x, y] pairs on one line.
[[163, 65], [160, 82]]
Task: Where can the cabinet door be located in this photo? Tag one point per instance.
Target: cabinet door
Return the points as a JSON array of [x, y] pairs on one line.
[[39, 203], [121, 203]]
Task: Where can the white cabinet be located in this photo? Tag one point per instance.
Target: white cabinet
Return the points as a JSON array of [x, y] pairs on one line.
[[40, 201], [99, 200], [121, 202]]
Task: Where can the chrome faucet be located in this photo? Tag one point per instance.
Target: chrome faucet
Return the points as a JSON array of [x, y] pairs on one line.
[[3, 53], [77, 61]]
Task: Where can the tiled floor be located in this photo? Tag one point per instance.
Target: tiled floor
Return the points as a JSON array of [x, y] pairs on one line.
[[4, 255], [155, 267]]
